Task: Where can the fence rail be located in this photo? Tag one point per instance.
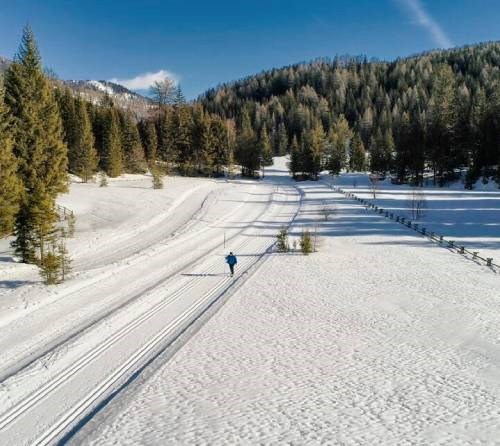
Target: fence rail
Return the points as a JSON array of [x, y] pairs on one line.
[[433, 236], [62, 211]]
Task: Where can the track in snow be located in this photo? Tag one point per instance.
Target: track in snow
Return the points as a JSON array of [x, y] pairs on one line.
[[46, 413]]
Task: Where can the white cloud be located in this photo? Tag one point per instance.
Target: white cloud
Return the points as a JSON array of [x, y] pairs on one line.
[[424, 19], [145, 80]]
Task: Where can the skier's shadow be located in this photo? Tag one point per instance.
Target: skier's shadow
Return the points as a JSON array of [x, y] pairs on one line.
[[203, 275]]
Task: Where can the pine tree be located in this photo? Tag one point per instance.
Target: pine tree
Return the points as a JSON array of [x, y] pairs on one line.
[[282, 244], [103, 179], [84, 159], [38, 146], [9, 181], [358, 159], [112, 144], [443, 122], [378, 153], [133, 150], [282, 140], [230, 147], [339, 139], [265, 147], [295, 165], [149, 140], [246, 154], [306, 245], [157, 176]]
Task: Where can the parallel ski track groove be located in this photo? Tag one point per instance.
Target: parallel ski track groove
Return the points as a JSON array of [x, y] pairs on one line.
[[24, 405], [79, 330]]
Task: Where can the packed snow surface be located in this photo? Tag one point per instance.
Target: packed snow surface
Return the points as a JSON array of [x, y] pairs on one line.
[[381, 337]]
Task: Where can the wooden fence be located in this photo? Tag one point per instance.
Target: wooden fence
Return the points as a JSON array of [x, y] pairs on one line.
[[433, 236]]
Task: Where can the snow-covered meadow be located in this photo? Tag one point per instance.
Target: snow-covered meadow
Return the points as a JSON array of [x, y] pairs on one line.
[[381, 337], [469, 217]]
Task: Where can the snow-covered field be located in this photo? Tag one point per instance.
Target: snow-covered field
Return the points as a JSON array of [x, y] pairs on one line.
[[66, 348], [471, 218], [379, 338]]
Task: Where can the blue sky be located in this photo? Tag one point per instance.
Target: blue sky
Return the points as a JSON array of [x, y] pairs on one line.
[[204, 43]]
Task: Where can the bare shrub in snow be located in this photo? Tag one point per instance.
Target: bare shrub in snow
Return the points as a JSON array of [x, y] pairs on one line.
[[417, 203]]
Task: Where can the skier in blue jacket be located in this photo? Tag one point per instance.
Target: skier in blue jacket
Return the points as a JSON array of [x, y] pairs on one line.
[[231, 260]]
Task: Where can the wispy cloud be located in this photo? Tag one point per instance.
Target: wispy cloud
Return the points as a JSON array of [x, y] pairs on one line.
[[424, 19], [145, 80]]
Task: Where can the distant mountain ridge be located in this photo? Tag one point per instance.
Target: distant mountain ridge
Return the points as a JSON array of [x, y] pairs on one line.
[[95, 90]]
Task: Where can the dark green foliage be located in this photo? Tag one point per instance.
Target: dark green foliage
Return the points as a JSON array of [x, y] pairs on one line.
[[429, 110], [157, 176], [10, 186], [282, 244], [306, 243], [147, 130], [247, 153], [38, 146], [133, 151], [358, 157], [112, 143]]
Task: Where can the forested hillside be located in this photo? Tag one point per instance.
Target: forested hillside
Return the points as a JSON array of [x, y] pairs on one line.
[[439, 110]]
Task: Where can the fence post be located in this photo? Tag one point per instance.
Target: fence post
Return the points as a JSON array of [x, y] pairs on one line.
[[397, 218], [462, 250], [489, 261], [474, 255], [450, 244], [402, 220], [409, 223], [423, 231], [440, 239]]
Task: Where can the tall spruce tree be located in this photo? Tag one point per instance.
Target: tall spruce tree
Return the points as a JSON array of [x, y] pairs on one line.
[[443, 122], [339, 139], [133, 151], [112, 143], [358, 159], [295, 165], [147, 130], [10, 184], [84, 158], [265, 147], [38, 146]]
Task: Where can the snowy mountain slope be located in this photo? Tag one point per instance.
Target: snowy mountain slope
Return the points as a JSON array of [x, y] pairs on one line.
[[101, 326], [95, 90], [379, 338]]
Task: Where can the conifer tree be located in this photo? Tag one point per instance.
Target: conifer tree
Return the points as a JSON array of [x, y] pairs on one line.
[[358, 159], [230, 145], [443, 122], [377, 153], [38, 146], [295, 158], [112, 144], [10, 186], [220, 140], [265, 147], [246, 152], [84, 160], [282, 140], [149, 140], [133, 151], [339, 139]]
